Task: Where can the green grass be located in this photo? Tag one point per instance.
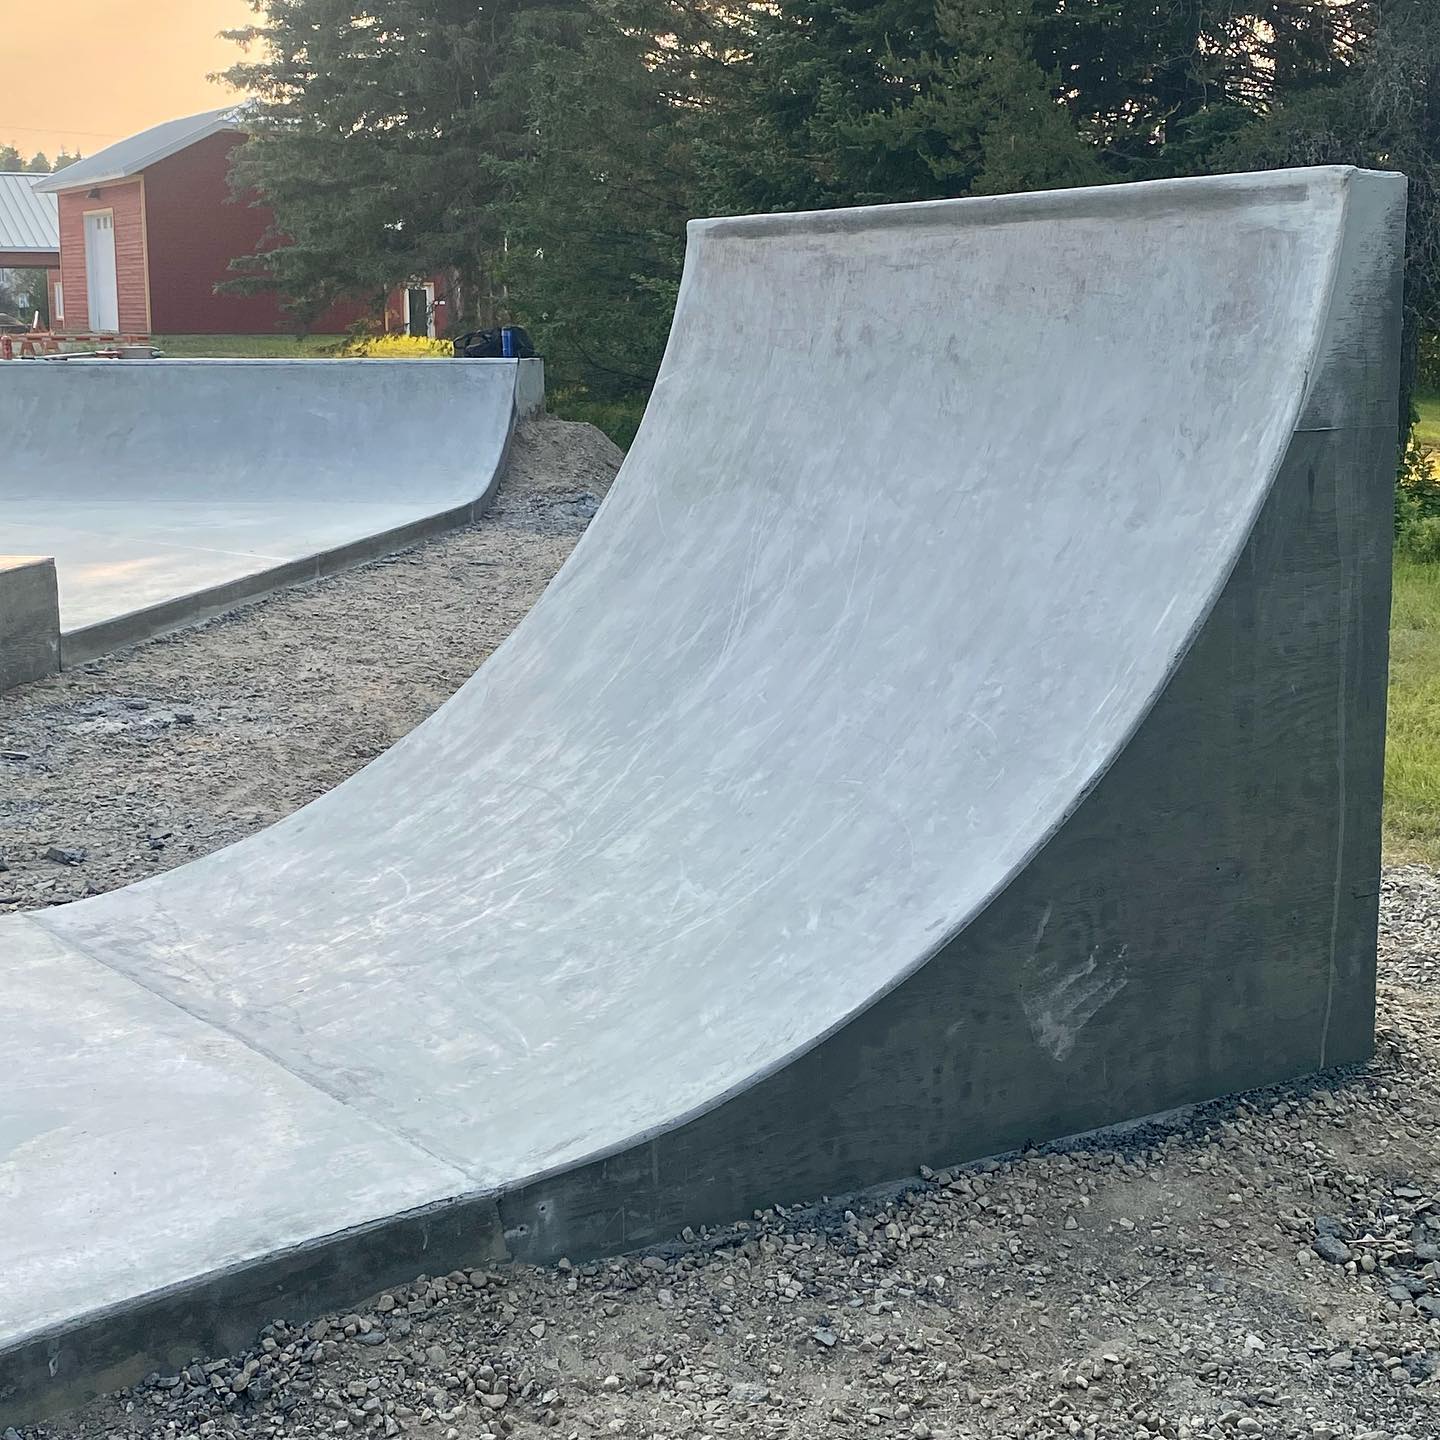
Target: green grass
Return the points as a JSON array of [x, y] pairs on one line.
[[1412, 757], [249, 347]]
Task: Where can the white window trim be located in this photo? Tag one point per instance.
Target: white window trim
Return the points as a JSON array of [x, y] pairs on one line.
[[90, 319]]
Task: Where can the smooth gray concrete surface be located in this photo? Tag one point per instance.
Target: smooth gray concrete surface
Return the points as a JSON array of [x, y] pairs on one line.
[[961, 725], [169, 489], [529, 388], [29, 620], [106, 1126]]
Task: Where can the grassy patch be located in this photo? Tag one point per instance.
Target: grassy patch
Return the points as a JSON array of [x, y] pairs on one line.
[[1412, 758], [250, 347]]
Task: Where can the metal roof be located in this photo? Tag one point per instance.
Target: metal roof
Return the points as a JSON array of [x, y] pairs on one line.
[[129, 157], [28, 219]]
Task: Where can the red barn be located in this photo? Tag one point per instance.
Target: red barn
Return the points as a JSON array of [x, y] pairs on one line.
[[149, 226]]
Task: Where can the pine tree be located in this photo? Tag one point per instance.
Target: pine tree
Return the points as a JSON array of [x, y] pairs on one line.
[[820, 105], [382, 136], [1378, 106], [596, 230], [999, 110]]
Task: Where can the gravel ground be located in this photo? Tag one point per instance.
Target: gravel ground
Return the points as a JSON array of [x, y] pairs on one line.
[[178, 746], [1267, 1266]]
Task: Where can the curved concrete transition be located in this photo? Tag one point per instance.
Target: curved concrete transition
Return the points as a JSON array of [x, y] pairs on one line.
[[961, 726], [170, 490]]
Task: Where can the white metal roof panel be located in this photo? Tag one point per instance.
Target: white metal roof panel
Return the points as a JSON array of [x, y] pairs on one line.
[[29, 220], [129, 157]]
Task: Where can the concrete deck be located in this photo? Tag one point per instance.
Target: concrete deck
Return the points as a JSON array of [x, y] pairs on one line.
[[962, 724]]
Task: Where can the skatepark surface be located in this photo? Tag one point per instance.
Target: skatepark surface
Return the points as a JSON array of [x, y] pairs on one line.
[[170, 489], [790, 840]]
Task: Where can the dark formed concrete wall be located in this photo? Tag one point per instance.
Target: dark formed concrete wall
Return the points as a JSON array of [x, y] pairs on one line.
[[1203, 923], [29, 620]]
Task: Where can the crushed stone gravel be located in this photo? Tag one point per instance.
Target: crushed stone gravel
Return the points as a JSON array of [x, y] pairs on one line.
[[1265, 1266], [173, 748]]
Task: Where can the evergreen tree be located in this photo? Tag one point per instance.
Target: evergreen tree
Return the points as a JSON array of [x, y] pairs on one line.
[[998, 108], [1379, 108], [12, 160], [819, 104], [596, 231], [382, 136]]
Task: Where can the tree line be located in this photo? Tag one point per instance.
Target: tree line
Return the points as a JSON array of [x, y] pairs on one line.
[[38, 164], [550, 151]]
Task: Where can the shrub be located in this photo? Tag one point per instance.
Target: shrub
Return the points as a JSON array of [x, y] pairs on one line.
[[398, 347], [1417, 498], [1420, 541], [1430, 362]]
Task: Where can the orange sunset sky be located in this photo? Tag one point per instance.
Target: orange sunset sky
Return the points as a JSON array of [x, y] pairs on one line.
[[127, 64]]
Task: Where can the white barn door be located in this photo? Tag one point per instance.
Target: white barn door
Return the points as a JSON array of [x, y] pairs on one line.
[[101, 288]]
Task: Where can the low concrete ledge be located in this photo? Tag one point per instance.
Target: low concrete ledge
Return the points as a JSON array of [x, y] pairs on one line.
[[29, 619]]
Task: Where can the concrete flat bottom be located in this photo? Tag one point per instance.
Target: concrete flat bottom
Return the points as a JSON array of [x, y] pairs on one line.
[[148, 1069], [120, 556]]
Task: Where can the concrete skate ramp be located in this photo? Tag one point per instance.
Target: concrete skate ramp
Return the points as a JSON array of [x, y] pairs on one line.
[[169, 490], [961, 725]]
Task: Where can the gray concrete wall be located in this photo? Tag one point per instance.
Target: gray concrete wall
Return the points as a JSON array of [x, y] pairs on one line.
[[29, 620], [315, 430]]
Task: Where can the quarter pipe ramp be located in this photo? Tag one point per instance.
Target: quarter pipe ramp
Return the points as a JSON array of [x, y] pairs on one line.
[[169, 490], [961, 725]]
